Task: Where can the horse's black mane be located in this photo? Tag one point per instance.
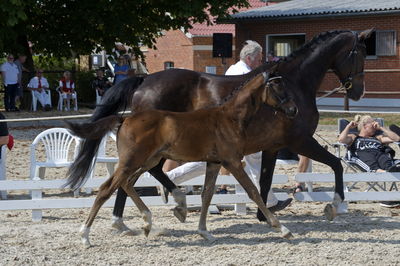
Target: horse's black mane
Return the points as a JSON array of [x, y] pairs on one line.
[[310, 46]]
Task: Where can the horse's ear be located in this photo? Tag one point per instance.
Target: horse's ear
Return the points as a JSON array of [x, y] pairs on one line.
[[365, 34]]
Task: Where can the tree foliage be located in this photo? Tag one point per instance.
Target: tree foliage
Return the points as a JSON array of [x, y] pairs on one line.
[[72, 27]]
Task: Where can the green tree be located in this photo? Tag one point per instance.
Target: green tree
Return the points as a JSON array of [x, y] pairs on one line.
[[72, 27]]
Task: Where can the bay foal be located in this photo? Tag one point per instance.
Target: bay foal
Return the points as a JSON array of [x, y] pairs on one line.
[[215, 135]]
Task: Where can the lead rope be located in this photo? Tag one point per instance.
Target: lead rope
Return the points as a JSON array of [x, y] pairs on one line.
[[338, 89]]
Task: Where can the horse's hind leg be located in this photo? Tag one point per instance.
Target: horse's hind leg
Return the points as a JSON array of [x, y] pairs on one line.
[[128, 187], [313, 150], [105, 192], [206, 196], [237, 170], [180, 211]]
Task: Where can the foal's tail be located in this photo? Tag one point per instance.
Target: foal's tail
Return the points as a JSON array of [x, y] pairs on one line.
[[91, 132]]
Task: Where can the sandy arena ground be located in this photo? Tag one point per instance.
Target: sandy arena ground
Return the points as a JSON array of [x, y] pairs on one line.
[[367, 235]]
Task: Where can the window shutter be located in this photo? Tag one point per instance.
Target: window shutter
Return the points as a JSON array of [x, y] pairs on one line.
[[385, 43]]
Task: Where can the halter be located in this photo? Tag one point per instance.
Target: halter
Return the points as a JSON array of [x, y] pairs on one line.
[[346, 83]]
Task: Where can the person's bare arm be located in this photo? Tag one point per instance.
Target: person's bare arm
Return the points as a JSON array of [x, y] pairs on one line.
[[345, 137], [388, 137], [3, 140]]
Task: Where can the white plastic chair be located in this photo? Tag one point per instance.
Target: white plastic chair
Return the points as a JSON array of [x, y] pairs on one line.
[[57, 145], [3, 159], [98, 97], [61, 102], [35, 100]]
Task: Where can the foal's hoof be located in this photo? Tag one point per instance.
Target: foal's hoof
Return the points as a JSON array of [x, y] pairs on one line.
[[207, 236], [180, 213], [286, 233], [330, 212], [146, 230]]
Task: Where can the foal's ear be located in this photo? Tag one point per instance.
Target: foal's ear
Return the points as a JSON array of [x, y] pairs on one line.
[[362, 36]]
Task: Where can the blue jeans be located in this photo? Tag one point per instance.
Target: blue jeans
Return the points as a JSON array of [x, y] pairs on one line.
[[9, 96]]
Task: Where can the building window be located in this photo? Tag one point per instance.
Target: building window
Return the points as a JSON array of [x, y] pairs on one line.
[[381, 43], [168, 65], [211, 69], [283, 45]]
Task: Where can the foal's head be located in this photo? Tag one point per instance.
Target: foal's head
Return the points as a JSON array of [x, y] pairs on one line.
[[277, 97]]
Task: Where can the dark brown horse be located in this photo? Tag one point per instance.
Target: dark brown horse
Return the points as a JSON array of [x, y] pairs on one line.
[[184, 90], [215, 135]]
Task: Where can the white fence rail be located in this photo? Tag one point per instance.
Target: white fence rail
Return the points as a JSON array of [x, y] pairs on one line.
[[371, 179], [37, 203]]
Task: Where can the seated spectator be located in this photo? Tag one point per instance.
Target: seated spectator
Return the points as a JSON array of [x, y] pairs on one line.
[[39, 85], [101, 83], [369, 146], [67, 87]]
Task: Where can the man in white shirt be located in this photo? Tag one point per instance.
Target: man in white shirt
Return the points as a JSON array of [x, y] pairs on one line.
[[39, 85], [10, 73]]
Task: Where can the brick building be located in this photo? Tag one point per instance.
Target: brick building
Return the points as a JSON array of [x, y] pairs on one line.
[[286, 26], [192, 50]]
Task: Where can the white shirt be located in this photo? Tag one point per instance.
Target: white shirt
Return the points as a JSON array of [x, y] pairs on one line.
[[34, 83], [239, 68], [10, 72]]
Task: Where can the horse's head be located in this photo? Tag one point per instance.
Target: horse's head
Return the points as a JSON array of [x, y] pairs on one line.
[[349, 65], [277, 97]]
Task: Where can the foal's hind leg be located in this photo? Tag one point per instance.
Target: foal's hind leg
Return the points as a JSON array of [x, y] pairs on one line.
[[128, 187], [206, 196], [237, 170], [180, 211], [105, 191]]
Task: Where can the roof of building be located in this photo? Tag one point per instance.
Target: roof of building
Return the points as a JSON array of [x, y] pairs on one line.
[[202, 29], [320, 8]]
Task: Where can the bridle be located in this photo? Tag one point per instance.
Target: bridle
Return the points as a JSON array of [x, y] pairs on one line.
[[277, 98], [347, 82]]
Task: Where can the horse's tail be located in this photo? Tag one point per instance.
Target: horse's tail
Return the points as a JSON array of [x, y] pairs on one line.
[[116, 98], [91, 138]]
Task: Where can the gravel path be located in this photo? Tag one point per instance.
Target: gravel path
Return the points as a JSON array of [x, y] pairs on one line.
[[367, 235]]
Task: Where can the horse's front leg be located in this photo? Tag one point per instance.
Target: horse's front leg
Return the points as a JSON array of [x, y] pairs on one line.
[[206, 196], [237, 170], [313, 150], [268, 161]]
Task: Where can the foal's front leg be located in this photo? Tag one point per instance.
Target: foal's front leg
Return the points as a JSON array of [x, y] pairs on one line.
[[313, 150], [206, 196], [237, 170]]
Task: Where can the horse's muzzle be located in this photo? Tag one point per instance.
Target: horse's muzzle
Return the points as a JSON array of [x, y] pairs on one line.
[[291, 112]]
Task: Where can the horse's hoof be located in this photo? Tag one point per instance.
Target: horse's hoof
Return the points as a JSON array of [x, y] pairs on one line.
[[121, 228], [207, 236], [164, 194], [180, 213], [330, 212]]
